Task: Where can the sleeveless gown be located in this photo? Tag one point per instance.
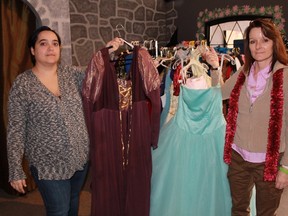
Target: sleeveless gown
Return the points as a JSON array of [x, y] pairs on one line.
[[189, 174]]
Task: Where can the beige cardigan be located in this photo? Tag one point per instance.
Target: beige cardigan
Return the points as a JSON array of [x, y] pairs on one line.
[[252, 121]]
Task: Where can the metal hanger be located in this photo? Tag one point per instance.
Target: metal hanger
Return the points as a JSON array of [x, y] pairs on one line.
[[119, 34]]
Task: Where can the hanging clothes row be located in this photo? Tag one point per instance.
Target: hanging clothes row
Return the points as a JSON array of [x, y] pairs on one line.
[[123, 115], [173, 62], [188, 167]]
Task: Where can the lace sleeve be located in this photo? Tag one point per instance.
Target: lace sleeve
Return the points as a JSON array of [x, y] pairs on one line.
[[148, 71], [151, 80], [92, 83]]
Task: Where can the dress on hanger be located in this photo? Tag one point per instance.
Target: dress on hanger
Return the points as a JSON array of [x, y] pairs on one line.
[[167, 97], [123, 118], [171, 98], [189, 174]]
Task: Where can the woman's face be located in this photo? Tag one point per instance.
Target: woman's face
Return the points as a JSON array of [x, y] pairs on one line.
[[46, 49], [261, 47]]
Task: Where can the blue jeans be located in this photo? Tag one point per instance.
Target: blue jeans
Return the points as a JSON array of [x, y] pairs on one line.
[[61, 197]]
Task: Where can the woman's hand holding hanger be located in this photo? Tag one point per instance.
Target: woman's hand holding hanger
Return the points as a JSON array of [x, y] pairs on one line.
[[115, 44], [211, 57]]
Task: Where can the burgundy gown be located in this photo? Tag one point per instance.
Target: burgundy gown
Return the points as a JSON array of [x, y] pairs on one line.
[[123, 118]]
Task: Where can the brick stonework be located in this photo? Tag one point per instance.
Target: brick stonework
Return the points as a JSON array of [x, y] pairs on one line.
[[87, 25]]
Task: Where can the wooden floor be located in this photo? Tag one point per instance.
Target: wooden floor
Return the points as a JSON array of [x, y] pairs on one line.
[[31, 204]]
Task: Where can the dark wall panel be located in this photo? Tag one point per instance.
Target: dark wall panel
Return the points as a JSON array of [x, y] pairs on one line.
[[188, 12]]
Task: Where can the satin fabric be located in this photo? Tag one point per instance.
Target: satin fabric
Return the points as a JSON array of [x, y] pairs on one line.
[[123, 119], [189, 174]]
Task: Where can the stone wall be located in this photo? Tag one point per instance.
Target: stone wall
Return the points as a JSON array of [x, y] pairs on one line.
[[55, 14], [94, 23], [87, 25]]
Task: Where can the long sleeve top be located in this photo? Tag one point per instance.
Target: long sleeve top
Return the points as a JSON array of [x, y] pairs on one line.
[[123, 118], [49, 131], [253, 118]]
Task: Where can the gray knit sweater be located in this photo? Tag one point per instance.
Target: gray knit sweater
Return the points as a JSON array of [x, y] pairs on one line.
[[48, 130]]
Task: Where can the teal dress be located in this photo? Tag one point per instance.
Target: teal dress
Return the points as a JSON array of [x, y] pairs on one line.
[[189, 175]]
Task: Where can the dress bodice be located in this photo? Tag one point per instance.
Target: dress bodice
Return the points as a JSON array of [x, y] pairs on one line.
[[200, 110]]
